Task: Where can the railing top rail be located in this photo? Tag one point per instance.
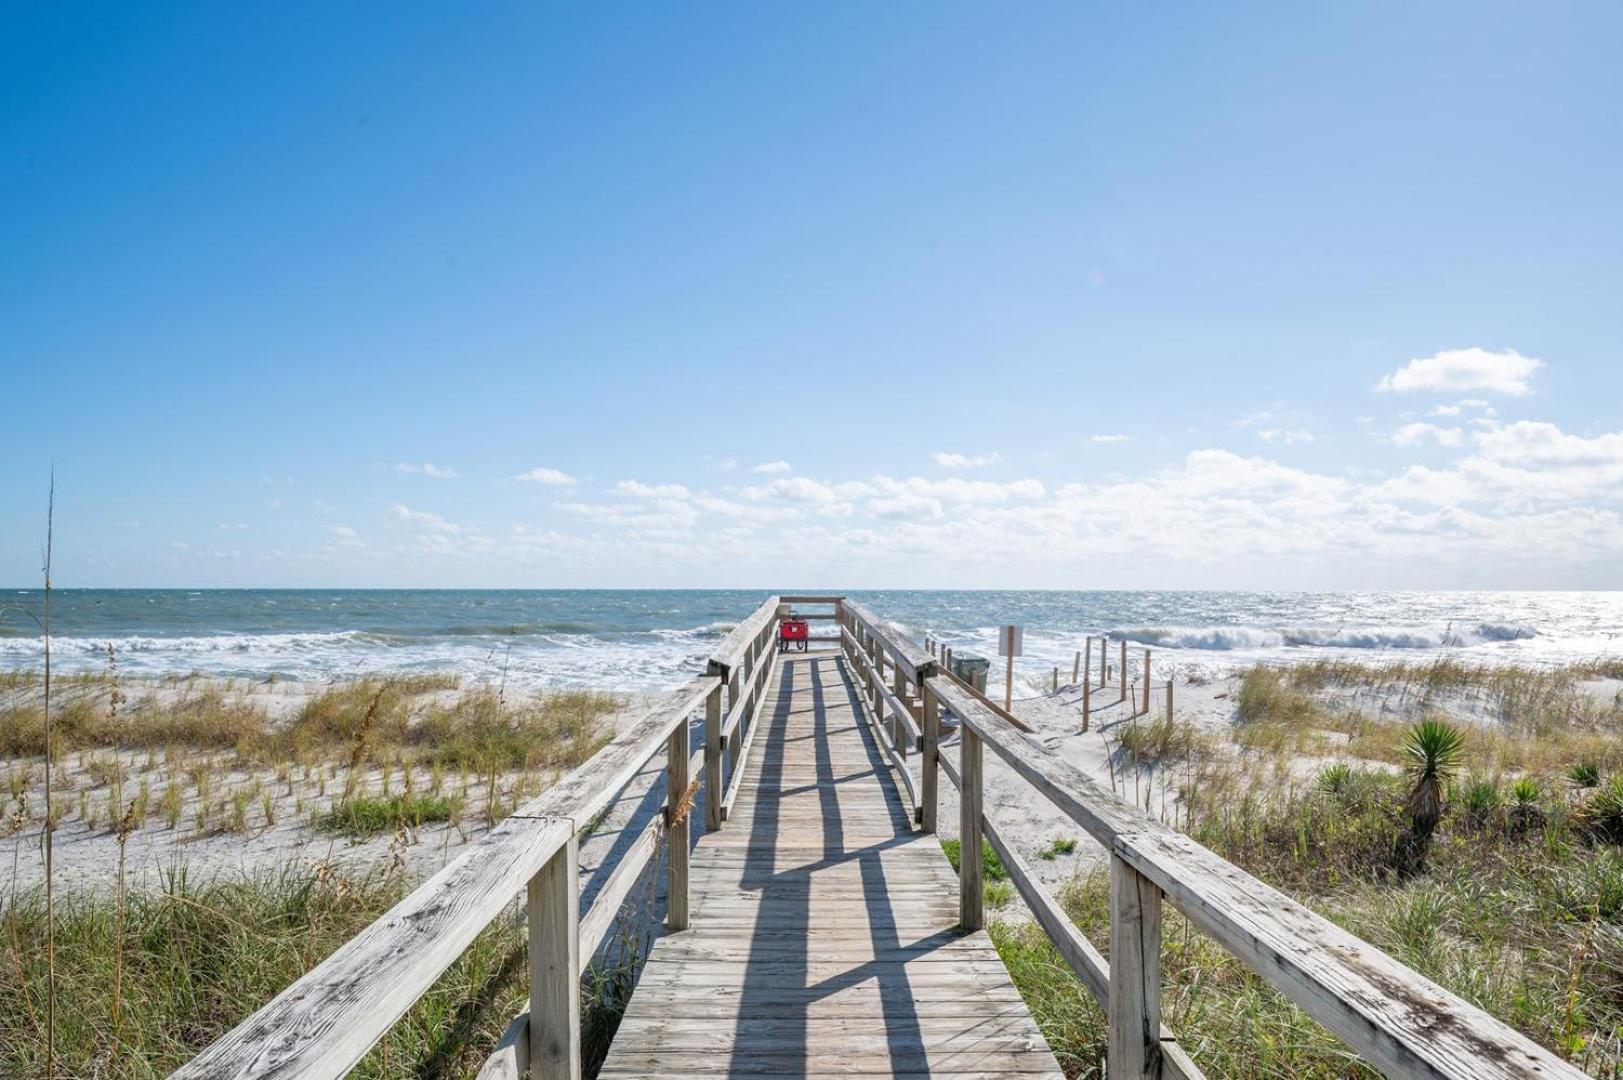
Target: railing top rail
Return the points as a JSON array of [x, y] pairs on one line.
[[324, 1023], [810, 598], [908, 654], [730, 651], [1396, 1018]]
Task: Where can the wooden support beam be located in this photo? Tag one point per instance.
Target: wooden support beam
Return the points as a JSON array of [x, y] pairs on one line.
[[1135, 974], [554, 917], [676, 830], [1146, 682], [971, 905], [931, 769], [712, 759]]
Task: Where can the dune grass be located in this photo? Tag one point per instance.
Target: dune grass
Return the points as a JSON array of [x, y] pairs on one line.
[[196, 957], [1517, 904], [363, 816]]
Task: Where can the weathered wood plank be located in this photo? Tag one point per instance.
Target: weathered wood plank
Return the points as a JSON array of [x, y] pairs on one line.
[[740, 638], [331, 1016], [583, 794], [554, 947], [1400, 1021]]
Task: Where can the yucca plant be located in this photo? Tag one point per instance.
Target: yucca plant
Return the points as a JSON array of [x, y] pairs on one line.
[[1585, 774], [1602, 812], [1525, 794], [1481, 798], [1336, 778], [1433, 751]]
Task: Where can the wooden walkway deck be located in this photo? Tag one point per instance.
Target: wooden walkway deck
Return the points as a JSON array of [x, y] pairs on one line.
[[824, 932]]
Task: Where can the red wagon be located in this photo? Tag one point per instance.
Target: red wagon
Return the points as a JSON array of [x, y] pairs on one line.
[[792, 632]]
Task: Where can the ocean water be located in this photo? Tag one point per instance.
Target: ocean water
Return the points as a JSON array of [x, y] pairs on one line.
[[644, 640]]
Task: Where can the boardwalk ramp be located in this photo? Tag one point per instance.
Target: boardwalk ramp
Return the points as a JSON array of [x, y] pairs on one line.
[[824, 936]]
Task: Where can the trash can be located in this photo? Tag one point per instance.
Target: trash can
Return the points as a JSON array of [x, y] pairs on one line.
[[972, 670]]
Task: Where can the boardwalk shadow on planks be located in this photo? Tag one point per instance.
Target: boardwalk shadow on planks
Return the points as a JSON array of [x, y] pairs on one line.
[[824, 936]]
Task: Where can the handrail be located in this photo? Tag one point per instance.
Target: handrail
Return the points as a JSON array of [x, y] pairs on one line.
[[327, 1020], [1074, 948], [907, 654], [892, 702], [727, 654], [735, 782], [1400, 1021]]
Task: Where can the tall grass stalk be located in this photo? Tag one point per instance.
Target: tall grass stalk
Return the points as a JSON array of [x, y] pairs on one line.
[[50, 818]]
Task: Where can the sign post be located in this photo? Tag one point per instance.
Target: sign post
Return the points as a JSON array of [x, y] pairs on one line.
[[1010, 641]]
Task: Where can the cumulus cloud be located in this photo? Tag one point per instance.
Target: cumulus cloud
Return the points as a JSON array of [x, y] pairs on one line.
[[547, 477], [773, 468], [640, 490], [1107, 438], [428, 468], [948, 460], [424, 520], [1419, 434], [1507, 372], [1288, 436]]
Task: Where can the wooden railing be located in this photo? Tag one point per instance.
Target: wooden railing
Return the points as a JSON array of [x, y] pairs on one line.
[[1396, 1019], [325, 1022]]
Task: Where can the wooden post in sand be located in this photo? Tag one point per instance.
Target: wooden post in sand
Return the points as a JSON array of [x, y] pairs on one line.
[[1076, 668], [1104, 659], [1169, 702], [1056, 678], [1087, 694], [1146, 682], [1087, 662], [1010, 640], [1123, 680]]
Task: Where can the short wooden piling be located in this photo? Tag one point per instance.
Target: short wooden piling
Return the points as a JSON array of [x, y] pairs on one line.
[[1146, 682], [554, 919], [931, 772], [1135, 973], [971, 911]]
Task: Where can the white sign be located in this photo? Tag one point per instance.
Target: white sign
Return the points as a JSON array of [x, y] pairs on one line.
[[1010, 640]]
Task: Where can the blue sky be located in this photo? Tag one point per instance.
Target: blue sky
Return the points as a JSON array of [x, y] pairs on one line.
[[1049, 296]]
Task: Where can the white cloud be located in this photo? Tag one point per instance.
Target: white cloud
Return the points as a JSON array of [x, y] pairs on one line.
[[428, 468], [547, 477], [1445, 410], [1418, 434], [904, 506], [1505, 372], [803, 489], [949, 460], [343, 536], [1288, 436], [773, 468], [640, 490], [1107, 438], [957, 490], [424, 520]]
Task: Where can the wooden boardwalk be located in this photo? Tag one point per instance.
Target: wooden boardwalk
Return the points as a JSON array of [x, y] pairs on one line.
[[824, 932]]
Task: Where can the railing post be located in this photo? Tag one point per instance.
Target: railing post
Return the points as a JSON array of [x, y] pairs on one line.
[[747, 681], [876, 677], [676, 827], [1135, 973], [898, 730], [554, 918], [932, 736], [971, 913], [713, 791]]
